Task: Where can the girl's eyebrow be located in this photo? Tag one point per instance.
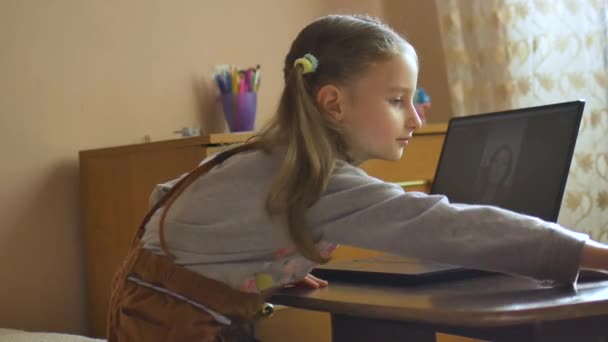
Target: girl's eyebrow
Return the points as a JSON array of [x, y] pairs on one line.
[[400, 89]]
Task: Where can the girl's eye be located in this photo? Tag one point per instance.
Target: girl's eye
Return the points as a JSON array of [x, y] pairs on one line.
[[396, 101]]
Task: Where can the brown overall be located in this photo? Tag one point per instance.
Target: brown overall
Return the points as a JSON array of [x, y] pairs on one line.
[[138, 312]]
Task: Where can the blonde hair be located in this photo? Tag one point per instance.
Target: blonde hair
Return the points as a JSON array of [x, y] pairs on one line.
[[345, 47]]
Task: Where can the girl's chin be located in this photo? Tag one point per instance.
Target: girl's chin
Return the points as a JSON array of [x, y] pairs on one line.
[[394, 155]]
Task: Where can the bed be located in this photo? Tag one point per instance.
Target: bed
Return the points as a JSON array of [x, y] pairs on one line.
[[12, 335]]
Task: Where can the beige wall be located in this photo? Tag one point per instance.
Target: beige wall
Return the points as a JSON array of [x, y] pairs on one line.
[[419, 22], [77, 75]]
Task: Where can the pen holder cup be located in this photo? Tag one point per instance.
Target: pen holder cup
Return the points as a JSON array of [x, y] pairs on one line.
[[239, 110]]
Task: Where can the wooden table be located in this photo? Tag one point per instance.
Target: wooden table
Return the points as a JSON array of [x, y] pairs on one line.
[[498, 307]]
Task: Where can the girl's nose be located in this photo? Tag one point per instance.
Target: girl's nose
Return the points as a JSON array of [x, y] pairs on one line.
[[413, 121]]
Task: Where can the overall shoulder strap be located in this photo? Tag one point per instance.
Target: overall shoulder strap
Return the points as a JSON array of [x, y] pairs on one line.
[[178, 188]]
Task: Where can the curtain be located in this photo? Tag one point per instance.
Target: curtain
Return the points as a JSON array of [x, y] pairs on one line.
[[505, 54]]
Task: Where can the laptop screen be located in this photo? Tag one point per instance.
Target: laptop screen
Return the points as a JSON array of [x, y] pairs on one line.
[[518, 160]]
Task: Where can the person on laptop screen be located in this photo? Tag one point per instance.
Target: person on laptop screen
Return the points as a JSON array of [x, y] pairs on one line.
[[220, 240], [493, 187]]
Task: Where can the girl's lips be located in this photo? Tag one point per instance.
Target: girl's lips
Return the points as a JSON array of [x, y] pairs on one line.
[[403, 141]]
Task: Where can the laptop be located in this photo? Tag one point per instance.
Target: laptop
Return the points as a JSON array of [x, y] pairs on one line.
[[517, 160]]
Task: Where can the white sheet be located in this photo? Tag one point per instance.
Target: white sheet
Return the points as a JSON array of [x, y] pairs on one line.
[[12, 335]]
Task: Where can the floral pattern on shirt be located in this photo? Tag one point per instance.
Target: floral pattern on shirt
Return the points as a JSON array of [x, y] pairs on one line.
[[326, 248], [249, 286], [264, 281], [289, 267], [282, 252]]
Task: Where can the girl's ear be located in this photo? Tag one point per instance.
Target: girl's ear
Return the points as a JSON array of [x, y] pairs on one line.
[[330, 100]]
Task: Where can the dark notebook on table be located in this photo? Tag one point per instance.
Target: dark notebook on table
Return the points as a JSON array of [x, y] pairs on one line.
[[527, 151]]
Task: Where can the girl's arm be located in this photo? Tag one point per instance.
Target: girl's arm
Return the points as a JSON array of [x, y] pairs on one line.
[[362, 211]]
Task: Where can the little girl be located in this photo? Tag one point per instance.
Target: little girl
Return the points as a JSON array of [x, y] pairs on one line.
[[250, 220]]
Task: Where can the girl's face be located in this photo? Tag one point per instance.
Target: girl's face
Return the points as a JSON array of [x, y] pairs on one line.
[[379, 115], [500, 166]]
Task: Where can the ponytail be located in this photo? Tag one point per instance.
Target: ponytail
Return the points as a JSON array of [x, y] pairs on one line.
[[308, 163]]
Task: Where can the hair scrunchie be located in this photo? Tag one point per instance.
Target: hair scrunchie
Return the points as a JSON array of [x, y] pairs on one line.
[[309, 63]]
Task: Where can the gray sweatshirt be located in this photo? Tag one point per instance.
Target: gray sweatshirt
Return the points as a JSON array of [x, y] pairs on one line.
[[219, 228]]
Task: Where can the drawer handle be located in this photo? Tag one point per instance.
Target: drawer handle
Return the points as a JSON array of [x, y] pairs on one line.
[[420, 182]]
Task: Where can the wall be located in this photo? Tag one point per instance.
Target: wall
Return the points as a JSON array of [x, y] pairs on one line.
[[76, 75], [419, 22]]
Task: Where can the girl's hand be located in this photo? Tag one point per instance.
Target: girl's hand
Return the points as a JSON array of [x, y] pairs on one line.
[[311, 281], [595, 256]]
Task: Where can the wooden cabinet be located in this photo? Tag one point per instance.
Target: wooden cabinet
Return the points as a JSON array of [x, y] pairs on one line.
[[116, 183]]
